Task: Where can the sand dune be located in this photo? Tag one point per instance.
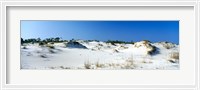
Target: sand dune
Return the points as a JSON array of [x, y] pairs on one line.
[[82, 54]]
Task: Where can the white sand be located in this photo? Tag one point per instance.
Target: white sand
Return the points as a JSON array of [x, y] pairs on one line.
[[98, 55]]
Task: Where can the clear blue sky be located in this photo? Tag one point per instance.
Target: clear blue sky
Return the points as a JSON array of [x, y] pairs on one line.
[[153, 31]]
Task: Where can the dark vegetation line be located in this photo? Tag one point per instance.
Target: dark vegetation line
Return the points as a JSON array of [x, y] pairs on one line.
[[59, 39]]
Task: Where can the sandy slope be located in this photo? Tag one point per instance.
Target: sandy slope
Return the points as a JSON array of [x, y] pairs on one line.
[[99, 55]]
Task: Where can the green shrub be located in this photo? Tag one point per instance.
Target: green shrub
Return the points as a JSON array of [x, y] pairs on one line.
[[41, 43]]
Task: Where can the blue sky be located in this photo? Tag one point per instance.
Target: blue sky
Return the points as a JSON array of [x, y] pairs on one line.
[[154, 31]]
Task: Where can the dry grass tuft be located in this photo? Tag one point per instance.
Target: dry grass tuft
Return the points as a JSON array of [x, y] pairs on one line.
[[87, 64], [129, 64], [174, 55], [99, 65]]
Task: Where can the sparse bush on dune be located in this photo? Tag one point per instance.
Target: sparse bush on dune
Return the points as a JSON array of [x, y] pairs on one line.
[[115, 51], [51, 51], [151, 49], [121, 47], [75, 44], [51, 43], [52, 67], [22, 41], [29, 54], [142, 43], [42, 43], [50, 46], [124, 47], [174, 57], [62, 67], [146, 61], [43, 55], [93, 49], [167, 45], [146, 42], [113, 42], [128, 64], [100, 44], [24, 47], [90, 65], [67, 68], [59, 67]]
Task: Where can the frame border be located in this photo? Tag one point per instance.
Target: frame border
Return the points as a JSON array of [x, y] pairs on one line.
[[3, 12]]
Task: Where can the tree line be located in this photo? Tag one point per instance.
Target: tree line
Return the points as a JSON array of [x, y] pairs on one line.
[[59, 39], [119, 42], [38, 40]]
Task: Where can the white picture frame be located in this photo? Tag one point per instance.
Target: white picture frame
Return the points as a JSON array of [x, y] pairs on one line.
[[4, 84]]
